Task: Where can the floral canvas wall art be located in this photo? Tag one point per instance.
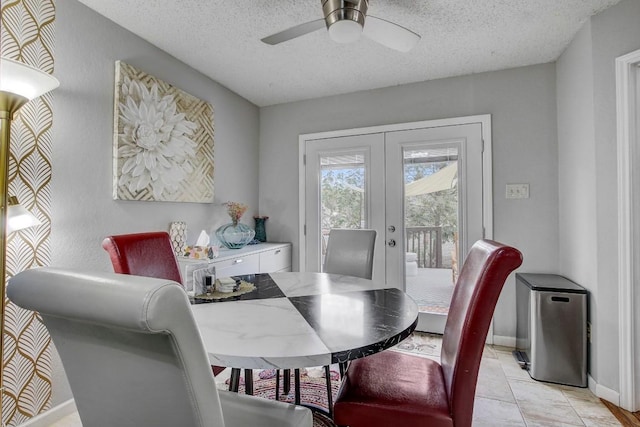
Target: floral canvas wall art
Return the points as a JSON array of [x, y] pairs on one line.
[[163, 141]]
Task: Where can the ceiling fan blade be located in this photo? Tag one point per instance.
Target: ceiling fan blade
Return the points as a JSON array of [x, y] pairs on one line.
[[293, 32], [389, 34]]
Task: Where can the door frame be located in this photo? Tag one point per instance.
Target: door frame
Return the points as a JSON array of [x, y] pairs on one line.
[[487, 170], [627, 111]]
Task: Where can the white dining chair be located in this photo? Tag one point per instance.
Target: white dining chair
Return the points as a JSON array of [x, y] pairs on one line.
[[133, 354], [350, 252]]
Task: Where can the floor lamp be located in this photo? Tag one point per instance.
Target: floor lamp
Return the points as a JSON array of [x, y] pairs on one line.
[[19, 84], [19, 217]]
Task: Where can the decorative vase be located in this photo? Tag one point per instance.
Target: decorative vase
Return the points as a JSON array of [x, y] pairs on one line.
[[178, 234], [261, 232], [235, 235]]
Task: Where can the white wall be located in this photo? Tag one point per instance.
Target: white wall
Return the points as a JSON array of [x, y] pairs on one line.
[[87, 46], [522, 103], [592, 136]]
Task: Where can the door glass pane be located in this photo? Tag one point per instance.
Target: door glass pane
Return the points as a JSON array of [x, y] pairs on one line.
[[343, 196], [431, 215]]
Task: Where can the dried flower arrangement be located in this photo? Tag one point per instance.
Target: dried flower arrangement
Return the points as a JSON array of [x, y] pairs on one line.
[[236, 210]]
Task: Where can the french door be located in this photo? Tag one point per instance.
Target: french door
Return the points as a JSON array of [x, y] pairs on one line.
[[344, 189], [423, 189], [433, 212]]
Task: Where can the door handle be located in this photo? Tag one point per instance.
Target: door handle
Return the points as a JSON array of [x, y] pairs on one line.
[[391, 229], [391, 243]]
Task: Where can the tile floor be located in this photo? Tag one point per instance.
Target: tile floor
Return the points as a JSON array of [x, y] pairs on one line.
[[505, 395]]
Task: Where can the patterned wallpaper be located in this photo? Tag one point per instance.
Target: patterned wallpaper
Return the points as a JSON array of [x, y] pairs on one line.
[[27, 35]]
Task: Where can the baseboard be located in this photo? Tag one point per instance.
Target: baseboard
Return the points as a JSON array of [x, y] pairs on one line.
[[53, 415], [504, 341], [603, 392]]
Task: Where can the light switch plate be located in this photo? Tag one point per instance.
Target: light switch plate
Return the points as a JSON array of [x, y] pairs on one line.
[[517, 191]]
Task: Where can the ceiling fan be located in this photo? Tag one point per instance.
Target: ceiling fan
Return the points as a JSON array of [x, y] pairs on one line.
[[345, 21]]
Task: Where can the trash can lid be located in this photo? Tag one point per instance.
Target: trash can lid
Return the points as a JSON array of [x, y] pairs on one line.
[[550, 283]]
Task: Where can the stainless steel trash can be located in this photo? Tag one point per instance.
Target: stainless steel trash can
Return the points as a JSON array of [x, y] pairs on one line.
[[551, 330]]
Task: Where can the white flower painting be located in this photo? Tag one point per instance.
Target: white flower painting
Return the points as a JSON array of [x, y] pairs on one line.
[[163, 145]]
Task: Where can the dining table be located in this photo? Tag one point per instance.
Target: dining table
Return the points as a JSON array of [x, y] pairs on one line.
[[293, 320]]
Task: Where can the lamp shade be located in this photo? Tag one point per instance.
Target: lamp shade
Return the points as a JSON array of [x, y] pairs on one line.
[[18, 217], [25, 80]]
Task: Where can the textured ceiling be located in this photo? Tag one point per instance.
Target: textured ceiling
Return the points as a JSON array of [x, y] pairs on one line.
[[221, 39]]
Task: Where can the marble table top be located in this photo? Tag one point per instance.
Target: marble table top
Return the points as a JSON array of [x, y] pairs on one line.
[[297, 320]]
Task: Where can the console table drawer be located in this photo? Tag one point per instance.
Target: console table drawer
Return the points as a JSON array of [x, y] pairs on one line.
[[247, 264], [275, 260]]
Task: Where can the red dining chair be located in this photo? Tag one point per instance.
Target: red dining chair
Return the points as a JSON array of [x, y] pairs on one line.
[[145, 254], [391, 388]]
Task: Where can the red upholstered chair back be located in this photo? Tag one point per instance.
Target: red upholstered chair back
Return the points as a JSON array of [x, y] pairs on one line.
[[483, 274], [143, 254]]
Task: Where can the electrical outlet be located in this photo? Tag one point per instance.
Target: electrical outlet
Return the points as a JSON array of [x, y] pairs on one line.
[[517, 191]]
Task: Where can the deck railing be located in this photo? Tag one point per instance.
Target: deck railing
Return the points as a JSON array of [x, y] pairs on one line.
[[426, 242]]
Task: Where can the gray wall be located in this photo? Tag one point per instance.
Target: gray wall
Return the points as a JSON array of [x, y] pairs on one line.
[[577, 175], [87, 46], [522, 103], [592, 135]]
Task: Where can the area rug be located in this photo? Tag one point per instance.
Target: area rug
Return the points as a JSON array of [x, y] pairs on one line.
[[313, 391], [421, 344], [434, 309]]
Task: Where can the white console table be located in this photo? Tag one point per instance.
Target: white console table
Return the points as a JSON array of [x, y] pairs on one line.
[[260, 258]]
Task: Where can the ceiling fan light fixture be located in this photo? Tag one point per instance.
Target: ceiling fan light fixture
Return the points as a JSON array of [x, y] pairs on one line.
[[345, 31], [345, 19], [345, 23]]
